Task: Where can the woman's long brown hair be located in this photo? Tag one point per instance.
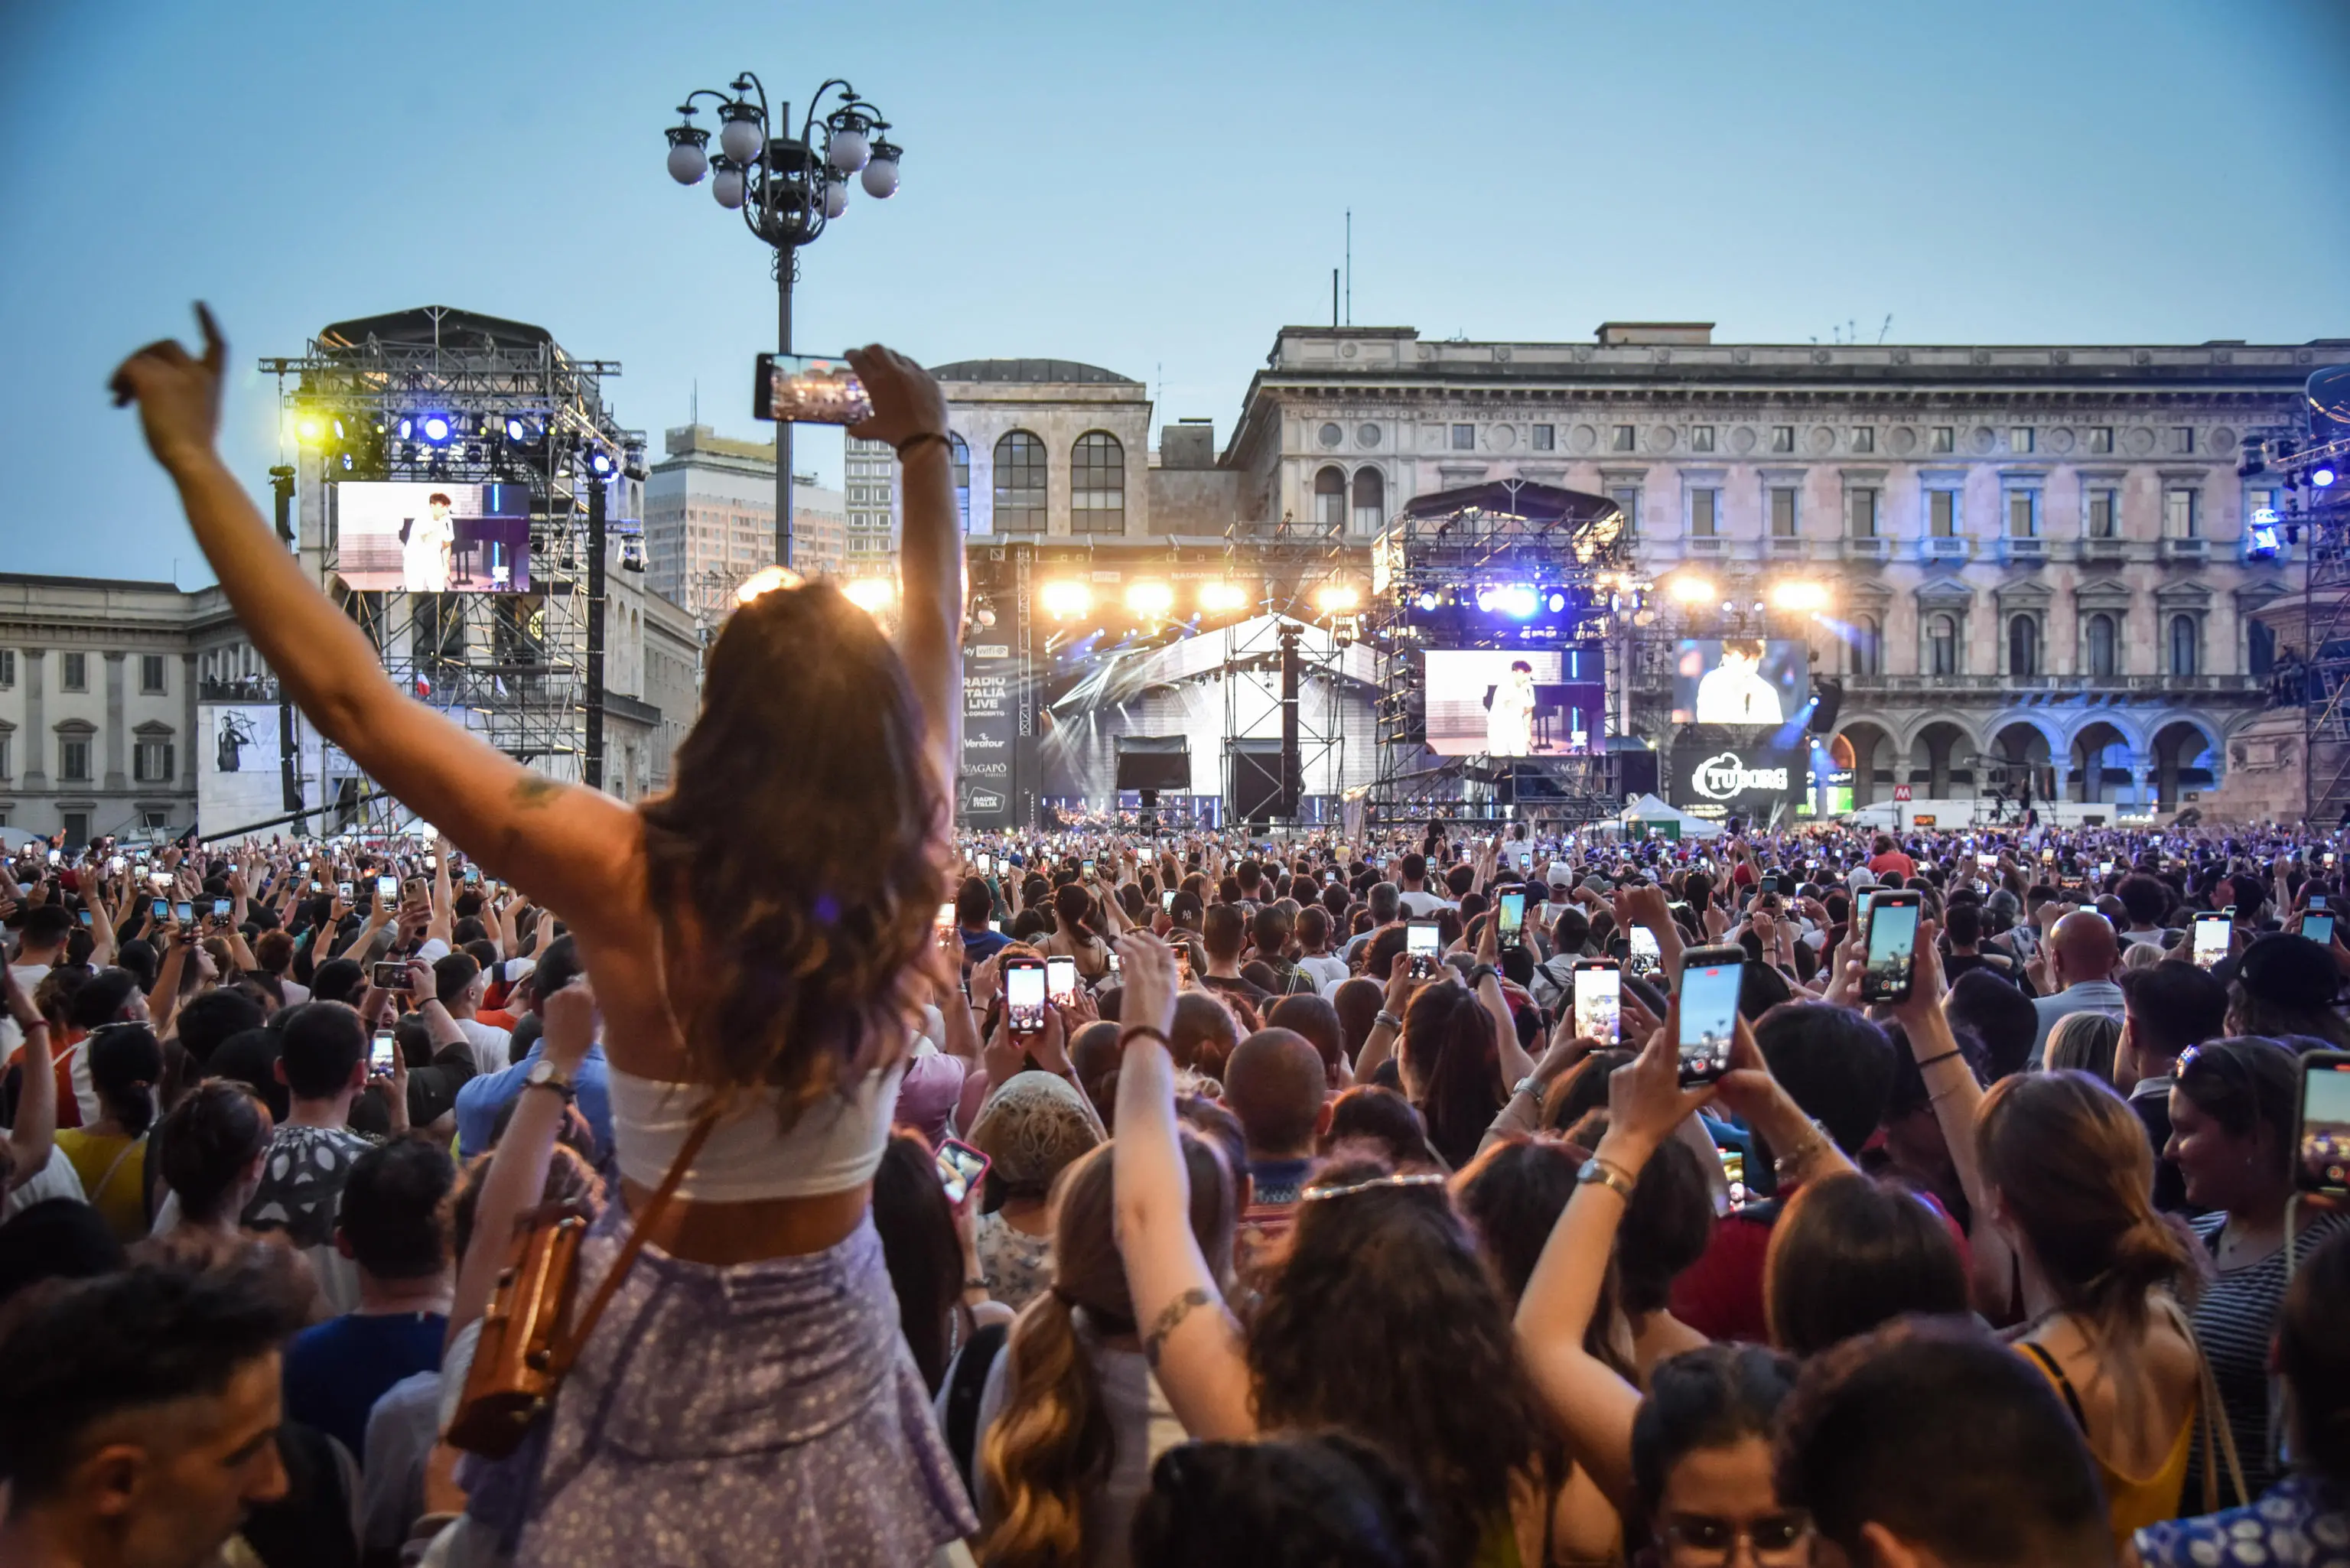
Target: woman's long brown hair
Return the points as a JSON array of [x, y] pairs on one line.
[[801, 848]]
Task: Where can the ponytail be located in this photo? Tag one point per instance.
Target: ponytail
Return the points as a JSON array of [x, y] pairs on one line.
[[1052, 1445]]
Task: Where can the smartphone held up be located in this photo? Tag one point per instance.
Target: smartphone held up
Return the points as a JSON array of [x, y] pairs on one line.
[[809, 389], [1710, 979]]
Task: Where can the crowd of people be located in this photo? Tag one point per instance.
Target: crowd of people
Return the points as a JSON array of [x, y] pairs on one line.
[[772, 1174]]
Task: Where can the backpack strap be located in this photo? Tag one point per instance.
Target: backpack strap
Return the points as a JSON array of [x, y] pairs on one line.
[[966, 1382]]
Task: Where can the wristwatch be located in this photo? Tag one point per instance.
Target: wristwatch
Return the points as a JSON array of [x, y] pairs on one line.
[[545, 1074], [1596, 1170]]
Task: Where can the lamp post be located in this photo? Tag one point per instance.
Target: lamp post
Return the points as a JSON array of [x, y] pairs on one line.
[[787, 188]]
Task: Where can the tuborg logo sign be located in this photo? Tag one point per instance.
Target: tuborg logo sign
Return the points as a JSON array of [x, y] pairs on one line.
[[1726, 776]]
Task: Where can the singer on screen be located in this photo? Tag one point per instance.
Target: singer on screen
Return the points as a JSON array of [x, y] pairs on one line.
[[1510, 713], [425, 543], [1734, 692]]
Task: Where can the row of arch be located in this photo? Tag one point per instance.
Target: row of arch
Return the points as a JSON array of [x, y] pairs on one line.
[[1363, 501], [2097, 758], [2101, 646], [1022, 476]]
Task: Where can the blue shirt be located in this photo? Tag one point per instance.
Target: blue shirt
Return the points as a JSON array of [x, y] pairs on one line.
[[978, 947], [336, 1372], [2302, 1522], [482, 1099]]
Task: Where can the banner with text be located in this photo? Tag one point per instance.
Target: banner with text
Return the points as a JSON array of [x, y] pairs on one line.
[[1721, 770], [987, 782]]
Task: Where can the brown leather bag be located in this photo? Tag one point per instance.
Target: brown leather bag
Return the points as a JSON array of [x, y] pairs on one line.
[[526, 1351]]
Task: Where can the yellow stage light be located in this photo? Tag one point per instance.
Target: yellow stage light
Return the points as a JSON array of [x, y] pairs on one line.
[[1801, 595], [1691, 588], [871, 595], [1153, 599], [1337, 598], [1218, 597], [765, 580], [1066, 600]]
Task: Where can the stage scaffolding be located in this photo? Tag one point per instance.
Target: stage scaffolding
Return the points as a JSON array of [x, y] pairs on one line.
[[1510, 531], [523, 670], [2322, 519], [1267, 670]]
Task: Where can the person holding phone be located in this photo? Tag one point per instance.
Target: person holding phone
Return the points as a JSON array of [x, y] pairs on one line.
[[714, 938]]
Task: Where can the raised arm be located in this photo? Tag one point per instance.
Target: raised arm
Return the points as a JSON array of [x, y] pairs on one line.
[[910, 412], [35, 1134], [562, 841], [1190, 1335]]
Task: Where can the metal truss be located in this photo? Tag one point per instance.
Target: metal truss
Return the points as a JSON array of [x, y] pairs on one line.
[[1513, 531], [522, 671], [1267, 674], [2324, 524]]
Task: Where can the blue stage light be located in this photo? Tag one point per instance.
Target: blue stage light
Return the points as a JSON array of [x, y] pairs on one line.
[[1555, 601], [436, 428], [1427, 600], [602, 462], [407, 428], [516, 430], [2321, 476], [1517, 601]]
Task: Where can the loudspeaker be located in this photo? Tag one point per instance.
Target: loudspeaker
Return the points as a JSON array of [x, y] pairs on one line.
[[1636, 772], [1829, 692], [1154, 763], [1253, 782]]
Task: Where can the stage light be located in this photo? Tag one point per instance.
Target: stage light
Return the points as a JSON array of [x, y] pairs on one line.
[[1219, 597], [2321, 476], [601, 462], [1068, 600], [871, 595], [1554, 601], [1152, 599], [1517, 601], [1337, 598], [1799, 596], [407, 428], [2263, 545], [766, 580], [309, 429], [1691, 588], [516, 430], [1427, 599], [435, 428]]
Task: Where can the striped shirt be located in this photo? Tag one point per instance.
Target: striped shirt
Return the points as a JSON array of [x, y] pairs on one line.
[[2235, 1320]]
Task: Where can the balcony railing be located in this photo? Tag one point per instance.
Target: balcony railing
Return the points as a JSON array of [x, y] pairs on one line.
[[1945, 548], [2102, 551], [1882, 684], [2023, 550], [1869, 549], [2185, 552], [238, 689]]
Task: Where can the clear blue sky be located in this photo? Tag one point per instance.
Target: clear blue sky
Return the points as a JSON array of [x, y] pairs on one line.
[[1153, 189]]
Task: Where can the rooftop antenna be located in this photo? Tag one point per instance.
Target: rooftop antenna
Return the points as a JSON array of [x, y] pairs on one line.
[[1334, 296], [1351, 266], [1886, 328]]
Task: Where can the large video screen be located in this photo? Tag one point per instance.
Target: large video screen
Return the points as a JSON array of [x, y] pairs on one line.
[[1515, 702], [1740, 681], [433, 538]]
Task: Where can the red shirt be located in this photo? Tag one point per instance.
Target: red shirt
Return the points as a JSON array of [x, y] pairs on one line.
[[1720, 1295], [1893, 861]]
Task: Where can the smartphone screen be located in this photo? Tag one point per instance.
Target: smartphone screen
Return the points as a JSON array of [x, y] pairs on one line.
[[2324, 1141], [183, 911], [85, 916], [387, 888], [1892, 945], [1166, 901], [1513, 918], [2318, 901], [390, 974], [2317, 926], [983, 863], [1419, 941], [2210, 939], [1709, 1019], [160, 911], [946, 920], [1061, 979], [809, 389], [380, 1052], [960, 1168], [343, 890], [221, 907], [2105, 868], [472, 875], [1598, 1002], [1987, 861], [1645, 956], [1733, 1171], [1024, 996]]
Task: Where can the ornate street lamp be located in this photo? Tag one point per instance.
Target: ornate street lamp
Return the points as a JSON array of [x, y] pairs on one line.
[[787, 188]]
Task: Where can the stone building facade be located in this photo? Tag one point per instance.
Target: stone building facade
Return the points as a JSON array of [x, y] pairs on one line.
[[2032, 556]]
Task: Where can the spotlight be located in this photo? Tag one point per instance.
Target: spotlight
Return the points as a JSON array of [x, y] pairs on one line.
[[1427, 599], [436, 428], [1691, 588], [1221, 596], [1799, 596], [310, 428], [601, 462], [766, 580], [1554, 601], [871, 595], [1066, 600], [1152, 599], [1517, 601], [2321, 476], [407, 428], [1337, 598], [516, 430]]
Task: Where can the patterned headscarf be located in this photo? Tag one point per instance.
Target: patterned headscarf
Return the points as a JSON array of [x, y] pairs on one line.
[[1032, 1127]]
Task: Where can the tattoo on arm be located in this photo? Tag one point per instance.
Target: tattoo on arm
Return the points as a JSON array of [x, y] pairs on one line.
[[535, 790]]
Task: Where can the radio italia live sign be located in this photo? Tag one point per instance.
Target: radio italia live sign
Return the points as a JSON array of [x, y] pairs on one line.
[[1718, 773]]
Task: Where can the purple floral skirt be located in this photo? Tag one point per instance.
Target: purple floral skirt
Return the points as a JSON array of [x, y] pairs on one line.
[[721, 1417]]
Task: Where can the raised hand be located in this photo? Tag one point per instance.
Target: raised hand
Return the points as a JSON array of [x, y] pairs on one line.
[[177, 394]]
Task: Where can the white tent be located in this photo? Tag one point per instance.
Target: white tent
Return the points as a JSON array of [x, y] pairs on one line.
[[1648, 808]]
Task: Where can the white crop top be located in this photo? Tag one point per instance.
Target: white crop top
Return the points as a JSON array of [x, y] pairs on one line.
[[834, 1145]]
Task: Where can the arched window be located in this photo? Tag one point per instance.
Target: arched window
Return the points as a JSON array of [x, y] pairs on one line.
[[1330, 499], [2183, 641], [2101, 646], [2024, 645], [1370, 500], [1098, 485], [1942, 638], [1867, 646], [1020, 485], [961, 458]]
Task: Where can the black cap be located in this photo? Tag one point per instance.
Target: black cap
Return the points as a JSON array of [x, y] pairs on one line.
[[2291, 971]]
